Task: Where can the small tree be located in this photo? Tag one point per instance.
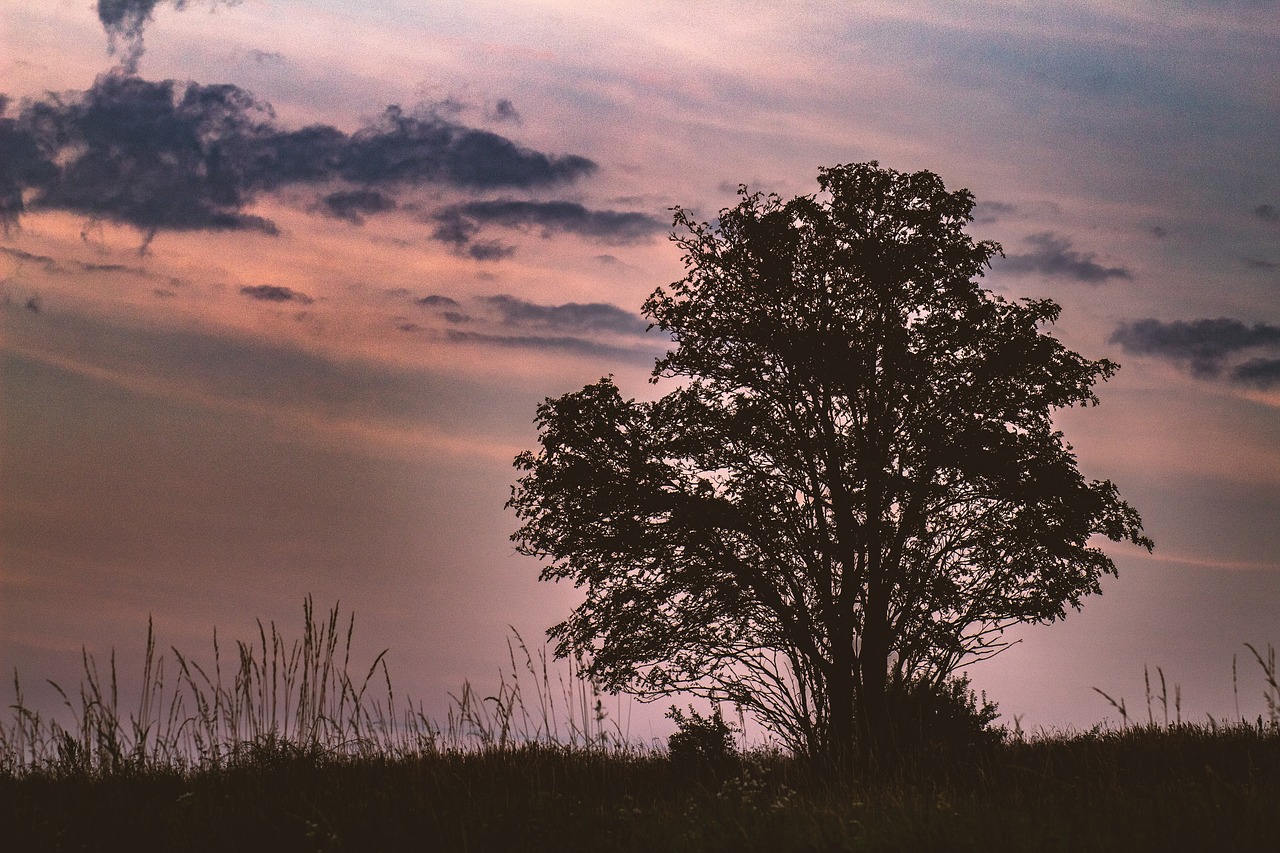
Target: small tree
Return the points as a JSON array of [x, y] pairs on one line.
[[859, 486]]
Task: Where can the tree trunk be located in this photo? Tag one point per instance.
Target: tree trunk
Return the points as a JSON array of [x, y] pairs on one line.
[[842, 734], [875, 727]]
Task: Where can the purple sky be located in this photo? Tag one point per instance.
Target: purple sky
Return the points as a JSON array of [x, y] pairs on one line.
[[278, 309]]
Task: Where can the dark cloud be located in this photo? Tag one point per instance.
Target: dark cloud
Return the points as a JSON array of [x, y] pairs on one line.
[[275, 293], [354, 205], [428, 148], [489, 250], [1053, 256], [23, 164], [574, 316], [610, 226], [1262, 372], [147, 154], [125, 20], [1260, 264], [34, 305], [504, 110], [454, 230], [459, 233], [1208, 348], [437, 301], [164, 155], [455, 317], [1267, 213], [459, 224], [1159, 231]]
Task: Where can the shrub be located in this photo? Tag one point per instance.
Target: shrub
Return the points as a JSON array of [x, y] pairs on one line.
[[949, 715], [707, 740]]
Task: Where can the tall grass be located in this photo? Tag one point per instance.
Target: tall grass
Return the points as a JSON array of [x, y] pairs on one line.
[[275, 697]]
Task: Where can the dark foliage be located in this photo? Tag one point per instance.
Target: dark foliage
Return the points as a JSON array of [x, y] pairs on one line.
[[947, 717], [699, 739]]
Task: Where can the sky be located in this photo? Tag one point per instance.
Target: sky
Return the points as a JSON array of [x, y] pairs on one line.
[[283, 281]]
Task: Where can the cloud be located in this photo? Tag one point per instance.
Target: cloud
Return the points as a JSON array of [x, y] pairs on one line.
[[146, 154], [579, 346], [1208, 348], [1262, 372], [23, 163], [503, 111], [435, 300], [459, 224], [45, 261], [263, 57], [429, 148], [450, 314], [1267, 213], [1053, 256], [575, 316], [986, 212], [214, 368], [594, 329], [609, 226], [125, 20], [171, 156], [275, 293], [460, 233], [353, 205]]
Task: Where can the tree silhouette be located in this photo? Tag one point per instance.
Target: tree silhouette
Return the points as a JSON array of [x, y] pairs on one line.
[[856, 491]]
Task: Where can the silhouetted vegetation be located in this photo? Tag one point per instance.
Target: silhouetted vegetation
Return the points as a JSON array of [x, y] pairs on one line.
[[700, 740], [856, 490], [507, 774]]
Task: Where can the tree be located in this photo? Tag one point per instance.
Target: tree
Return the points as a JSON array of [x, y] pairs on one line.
[[857, 490]]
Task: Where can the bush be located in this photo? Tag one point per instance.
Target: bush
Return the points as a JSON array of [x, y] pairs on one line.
[[705, 740], [947, 716]]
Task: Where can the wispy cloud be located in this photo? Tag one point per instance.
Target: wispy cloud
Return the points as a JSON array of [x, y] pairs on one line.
[[1052, 255], [578, 316], [125, 21], [986, 212], [509, 322], [556, 343], [458, 225]]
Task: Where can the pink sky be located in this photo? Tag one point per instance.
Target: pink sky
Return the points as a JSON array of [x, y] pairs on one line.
[[223, 393]]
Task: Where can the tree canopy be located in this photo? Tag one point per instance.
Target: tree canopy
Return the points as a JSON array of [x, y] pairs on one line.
[[858, 488]]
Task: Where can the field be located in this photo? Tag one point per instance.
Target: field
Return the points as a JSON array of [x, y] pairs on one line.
[[291, 753]]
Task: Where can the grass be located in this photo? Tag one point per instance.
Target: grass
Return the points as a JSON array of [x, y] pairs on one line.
[[284, 750]]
